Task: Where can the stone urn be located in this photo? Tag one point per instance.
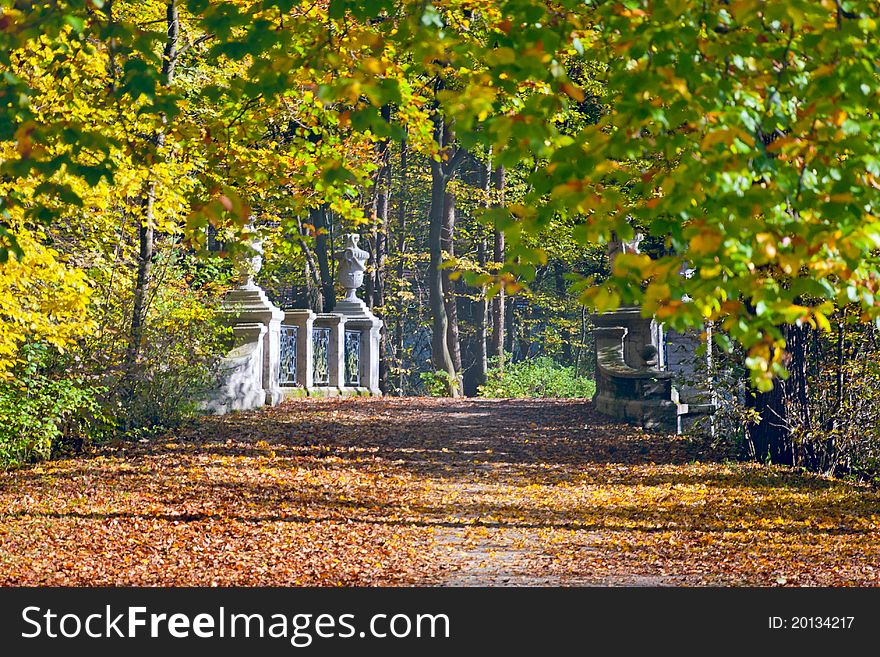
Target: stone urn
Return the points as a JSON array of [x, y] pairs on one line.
[[249, 263], [352, 265]]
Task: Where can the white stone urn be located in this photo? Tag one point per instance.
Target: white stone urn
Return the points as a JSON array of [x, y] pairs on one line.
[[249, 263], [616, 247], [352, 265]]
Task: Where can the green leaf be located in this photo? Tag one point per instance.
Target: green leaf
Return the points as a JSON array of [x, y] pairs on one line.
[[77, 23]]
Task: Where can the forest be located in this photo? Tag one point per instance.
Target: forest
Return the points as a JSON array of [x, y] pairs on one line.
[[487, 152]]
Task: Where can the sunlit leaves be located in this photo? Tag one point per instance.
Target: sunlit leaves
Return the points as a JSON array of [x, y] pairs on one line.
[[41, 298], [747, 143]]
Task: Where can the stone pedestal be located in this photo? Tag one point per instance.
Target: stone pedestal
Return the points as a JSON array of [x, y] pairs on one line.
[[248, 375], [358, 318], [369, 328], [249, 304], [632, 380], [239, 377], [352, 307], [642, 395]]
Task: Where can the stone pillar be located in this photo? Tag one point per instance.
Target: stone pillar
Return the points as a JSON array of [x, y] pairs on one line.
[[247, 305], [272, 359], [336, 351], [636, 363], [635, 366], [239, 377], [369, 328], [248, 375], [642, 394], [352, 263], [303, 320]]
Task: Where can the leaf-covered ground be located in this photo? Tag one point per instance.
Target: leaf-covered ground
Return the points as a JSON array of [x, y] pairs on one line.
[[428, 491]]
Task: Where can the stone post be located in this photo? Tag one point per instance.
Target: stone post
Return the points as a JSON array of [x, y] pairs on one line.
[[635, 363], [248, 375], [239, 379], [336, 351], [272, 359], [357, 316], [303, 320], [369, 328]]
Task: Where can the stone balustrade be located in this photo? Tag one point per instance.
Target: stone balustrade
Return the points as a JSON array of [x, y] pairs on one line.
[[293, 353]]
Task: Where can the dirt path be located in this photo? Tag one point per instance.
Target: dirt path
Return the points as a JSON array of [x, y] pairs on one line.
[[429, 492]]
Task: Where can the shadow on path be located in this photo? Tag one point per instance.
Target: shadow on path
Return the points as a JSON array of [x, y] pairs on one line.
[[428, 491]]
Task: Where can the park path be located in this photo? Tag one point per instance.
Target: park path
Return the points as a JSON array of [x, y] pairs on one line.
[[429, 492]]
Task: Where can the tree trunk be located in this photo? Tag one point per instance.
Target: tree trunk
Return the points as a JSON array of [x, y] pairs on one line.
[[796, 391], [313, 283], [146, 233], [314, 300], [318, 217], [509, 328], [581, 342], [841, 339], [401, 251], [562, 295], [146, 236], [381, 251], [481, 363], [450, 300], [439, 344], [370, 245], [498, 310], [770, 438], [441, 174]]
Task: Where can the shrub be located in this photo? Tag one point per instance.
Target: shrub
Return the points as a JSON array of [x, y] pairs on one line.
[[539, 377], [436, 384], [183, 342], [40, 414]]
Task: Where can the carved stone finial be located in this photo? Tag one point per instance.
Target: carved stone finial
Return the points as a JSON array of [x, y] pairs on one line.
[[250, 262], [616, 247], [352, 265]]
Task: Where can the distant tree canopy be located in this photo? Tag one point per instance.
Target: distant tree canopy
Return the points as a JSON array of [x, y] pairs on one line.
[[742, 137]]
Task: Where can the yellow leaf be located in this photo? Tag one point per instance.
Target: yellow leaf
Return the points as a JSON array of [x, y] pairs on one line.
[[639, 264], [724, 136], [821, 320], [575, 92], [706, 241]]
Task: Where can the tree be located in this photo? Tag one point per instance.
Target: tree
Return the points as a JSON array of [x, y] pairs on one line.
[[146, 232], [498, 314], [442, 217], [740, 137], [43, 298]]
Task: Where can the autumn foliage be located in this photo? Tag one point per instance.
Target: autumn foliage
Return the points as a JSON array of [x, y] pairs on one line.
[[487, 153], [427, 491]]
